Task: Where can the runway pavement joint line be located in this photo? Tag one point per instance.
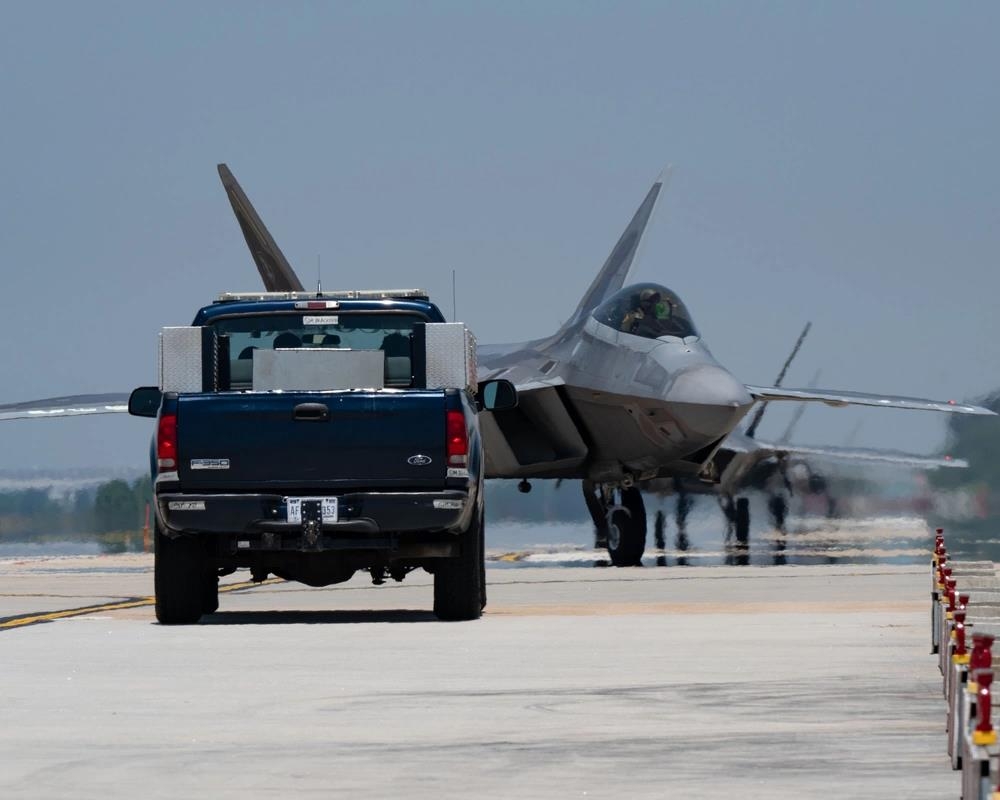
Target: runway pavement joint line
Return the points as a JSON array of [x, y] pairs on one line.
[[24, 620]]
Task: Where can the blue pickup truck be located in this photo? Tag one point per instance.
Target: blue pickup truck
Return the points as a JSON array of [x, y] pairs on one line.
[[310, 436]]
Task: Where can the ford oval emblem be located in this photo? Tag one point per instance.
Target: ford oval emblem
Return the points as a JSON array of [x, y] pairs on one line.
[[419, 461]]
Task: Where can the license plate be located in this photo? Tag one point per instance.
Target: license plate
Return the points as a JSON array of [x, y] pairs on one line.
[[327, 504]]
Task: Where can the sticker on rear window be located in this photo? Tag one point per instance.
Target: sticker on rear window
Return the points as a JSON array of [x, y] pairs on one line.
[[326, 319]]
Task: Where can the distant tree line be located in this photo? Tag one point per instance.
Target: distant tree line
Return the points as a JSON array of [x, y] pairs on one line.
[[35, 514], [119, 505], [977, 440]]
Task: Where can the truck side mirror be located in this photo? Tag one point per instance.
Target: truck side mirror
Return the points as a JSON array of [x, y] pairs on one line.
[[145, 401], [498, 395]]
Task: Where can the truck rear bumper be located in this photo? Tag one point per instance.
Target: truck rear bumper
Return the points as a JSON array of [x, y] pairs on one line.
[[361, 514]]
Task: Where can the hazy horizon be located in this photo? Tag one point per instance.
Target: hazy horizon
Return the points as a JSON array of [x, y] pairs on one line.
[[832, 162]]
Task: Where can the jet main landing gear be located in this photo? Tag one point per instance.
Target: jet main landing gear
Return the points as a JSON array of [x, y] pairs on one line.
[[737, 513], [742, 520]]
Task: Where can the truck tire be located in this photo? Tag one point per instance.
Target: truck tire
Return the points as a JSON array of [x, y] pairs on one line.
[[459, 583], [482, 569], [179, 578], [210, 599]]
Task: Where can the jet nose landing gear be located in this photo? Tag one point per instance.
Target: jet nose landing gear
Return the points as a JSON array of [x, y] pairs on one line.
[[627, 529], [620, 515]]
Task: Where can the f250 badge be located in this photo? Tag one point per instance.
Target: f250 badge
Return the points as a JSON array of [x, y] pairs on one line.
[[419, 461], [209, 463]]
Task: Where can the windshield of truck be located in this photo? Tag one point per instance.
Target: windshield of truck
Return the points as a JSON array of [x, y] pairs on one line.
[[391, 333]]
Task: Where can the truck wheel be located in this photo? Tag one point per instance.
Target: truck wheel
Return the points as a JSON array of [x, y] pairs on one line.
[[482, 569], [459, 588], [210, 599], [179, 571]]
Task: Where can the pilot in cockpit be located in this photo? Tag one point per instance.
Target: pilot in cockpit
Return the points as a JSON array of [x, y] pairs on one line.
[[648, 315]]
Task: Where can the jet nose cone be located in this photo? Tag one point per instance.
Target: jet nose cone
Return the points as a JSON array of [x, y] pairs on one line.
[[708, 384], [708, 399]]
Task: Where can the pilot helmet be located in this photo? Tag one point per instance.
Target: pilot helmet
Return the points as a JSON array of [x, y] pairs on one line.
[[649, 299]]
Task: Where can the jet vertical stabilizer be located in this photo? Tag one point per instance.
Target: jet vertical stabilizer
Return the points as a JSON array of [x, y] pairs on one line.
[[616, 269], [751, 430], [274, 269]]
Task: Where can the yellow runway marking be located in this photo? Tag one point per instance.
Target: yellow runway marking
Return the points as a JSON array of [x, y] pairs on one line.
[[138, 602]]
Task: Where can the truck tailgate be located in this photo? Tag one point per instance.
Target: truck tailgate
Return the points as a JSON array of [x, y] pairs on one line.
[[311, 440]]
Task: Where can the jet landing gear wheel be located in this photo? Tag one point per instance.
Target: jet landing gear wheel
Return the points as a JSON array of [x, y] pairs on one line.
[[627, 529], [742, 520], [180, 578], [778, 506]]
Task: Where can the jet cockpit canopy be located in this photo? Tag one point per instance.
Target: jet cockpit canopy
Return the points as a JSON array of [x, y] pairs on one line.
[[646, 309]]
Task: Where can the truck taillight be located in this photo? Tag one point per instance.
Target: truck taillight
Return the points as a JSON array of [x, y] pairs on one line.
[[457, 438], [166, 441]]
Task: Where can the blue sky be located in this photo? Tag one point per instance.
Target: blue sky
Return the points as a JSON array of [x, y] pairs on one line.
[[834, 162]]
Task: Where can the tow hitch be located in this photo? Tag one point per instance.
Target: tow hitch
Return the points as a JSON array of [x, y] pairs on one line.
[[312, 524]]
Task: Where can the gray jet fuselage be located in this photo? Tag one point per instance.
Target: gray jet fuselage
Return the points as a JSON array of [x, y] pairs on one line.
[[646, 407]]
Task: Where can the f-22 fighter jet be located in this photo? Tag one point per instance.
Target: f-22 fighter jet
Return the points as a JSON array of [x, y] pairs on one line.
[[624, 395], [627, 396]]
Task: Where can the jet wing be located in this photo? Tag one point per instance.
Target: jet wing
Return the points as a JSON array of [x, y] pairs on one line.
[[72, 406], [843, 398]]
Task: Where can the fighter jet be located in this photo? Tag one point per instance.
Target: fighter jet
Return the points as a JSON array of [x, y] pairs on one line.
[[623, 394], [627, 393]]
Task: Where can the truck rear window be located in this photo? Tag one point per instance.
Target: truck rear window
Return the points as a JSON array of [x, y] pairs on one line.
[[390, 333]]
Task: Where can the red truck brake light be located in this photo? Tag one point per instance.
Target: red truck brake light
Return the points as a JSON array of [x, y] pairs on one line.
[[457, 438], [166, 441]]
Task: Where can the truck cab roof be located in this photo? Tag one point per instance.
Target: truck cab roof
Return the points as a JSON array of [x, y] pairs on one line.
[[238, 303]]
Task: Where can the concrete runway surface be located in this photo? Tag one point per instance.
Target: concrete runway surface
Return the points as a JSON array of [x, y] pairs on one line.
[[750, 682]]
